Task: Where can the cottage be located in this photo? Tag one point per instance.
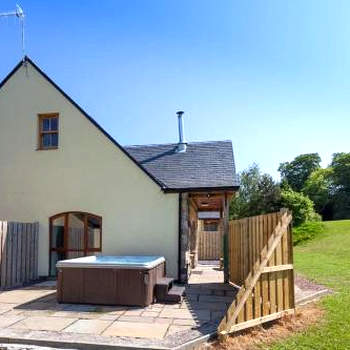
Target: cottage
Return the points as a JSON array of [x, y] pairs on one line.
[[89, 194]]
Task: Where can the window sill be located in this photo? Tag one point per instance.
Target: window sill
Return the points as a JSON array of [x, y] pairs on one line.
[[47, 149]]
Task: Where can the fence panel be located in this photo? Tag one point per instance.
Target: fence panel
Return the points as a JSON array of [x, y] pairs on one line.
[[18, 253], [260, 263], [210, 245]]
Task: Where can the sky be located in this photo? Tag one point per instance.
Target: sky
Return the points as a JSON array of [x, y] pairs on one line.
[[272, 76]]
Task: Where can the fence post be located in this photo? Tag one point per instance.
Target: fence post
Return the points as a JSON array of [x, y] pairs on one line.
[[226, 213]]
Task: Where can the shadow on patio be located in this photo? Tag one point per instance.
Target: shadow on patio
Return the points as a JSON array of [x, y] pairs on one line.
[[207, 296]]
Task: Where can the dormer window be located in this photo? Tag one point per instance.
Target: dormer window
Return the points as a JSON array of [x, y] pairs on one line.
[[48, 131]]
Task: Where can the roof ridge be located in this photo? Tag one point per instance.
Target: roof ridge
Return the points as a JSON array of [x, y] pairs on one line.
[[175, 143]]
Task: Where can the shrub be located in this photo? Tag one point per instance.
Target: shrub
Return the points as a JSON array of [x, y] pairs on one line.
[[307, 231], [301, 206]]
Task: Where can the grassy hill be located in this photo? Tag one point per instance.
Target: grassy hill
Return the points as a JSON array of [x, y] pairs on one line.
[[326, 260]]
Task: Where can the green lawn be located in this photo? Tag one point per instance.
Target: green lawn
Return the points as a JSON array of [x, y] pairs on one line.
[[326, 260]]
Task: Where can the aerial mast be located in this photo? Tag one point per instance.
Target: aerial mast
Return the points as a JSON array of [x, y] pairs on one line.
[[20, 15]]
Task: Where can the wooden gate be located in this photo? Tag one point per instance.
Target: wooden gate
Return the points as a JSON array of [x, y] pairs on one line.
[[260, 264], [210, 245]]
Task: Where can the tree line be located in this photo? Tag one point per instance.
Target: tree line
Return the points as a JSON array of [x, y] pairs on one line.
[[311, 192]]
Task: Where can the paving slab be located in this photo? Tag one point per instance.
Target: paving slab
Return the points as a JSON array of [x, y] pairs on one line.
[[136, 312], [140, 319], [150, 314], [215, 299], [115, 310], [181, 322], [88, 326], [21, 296], [186, 314], [176, 313], [6, 321], [48, 323], [130, 329], [37, 313], [13, 312], [217, 315], [80, 308], [163, 320], [44, 284], [195, 305], [171, 306], [177, 328], [108, 317], [6, 307], [72, 314]]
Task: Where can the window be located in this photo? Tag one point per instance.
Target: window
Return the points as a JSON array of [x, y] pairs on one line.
[[72, 235], [48, 131], [211, 226]]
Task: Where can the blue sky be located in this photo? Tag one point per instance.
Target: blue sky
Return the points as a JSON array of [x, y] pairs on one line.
[[272, 76]]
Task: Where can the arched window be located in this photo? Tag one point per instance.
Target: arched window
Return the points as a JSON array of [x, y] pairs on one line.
[[72, 235]]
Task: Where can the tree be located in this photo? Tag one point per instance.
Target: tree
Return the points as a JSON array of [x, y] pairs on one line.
[[341, 185], [318, 188], [296, 172], [341, 170], [301, 206], [258, 194]]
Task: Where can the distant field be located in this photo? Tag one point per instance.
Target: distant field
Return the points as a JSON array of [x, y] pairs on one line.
[[326, 259]]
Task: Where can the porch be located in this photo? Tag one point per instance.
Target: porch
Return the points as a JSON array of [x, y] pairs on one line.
[[193, 207]]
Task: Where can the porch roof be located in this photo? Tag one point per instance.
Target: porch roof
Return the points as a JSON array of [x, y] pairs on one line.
[[204, 165]]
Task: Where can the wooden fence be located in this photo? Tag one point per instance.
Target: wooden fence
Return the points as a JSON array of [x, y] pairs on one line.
[[210, 245], [18, 253], [260, 264]]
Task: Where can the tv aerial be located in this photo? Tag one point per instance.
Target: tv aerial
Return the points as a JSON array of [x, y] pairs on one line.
[[20, 16]]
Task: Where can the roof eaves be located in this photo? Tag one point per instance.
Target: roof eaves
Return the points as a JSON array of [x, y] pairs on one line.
[[27, 59], [200, 189]]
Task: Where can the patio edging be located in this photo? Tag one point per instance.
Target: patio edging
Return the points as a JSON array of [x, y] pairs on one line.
[[76, 341], [101, 346]]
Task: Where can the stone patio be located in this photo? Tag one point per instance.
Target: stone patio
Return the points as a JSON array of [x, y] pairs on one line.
[[32, 315]]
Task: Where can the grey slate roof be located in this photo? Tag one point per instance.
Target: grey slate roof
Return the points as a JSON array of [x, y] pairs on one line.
[[203, 165]]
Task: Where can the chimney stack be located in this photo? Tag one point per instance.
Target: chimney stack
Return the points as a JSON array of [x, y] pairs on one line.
[[182, 145]]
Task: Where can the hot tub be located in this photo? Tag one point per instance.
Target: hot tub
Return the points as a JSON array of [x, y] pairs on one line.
[[109, 280]]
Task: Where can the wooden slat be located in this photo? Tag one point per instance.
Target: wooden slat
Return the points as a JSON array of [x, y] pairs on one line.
[[9, 243], [286, 302], [24, 251], [277, 268], [14, 254], [36, 251], [3, 254], [31, 254], [279, 275], [19, 253], [265, 295], [260, 320]]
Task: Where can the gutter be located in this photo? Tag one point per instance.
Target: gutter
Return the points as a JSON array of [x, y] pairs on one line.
[[200, 189]]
